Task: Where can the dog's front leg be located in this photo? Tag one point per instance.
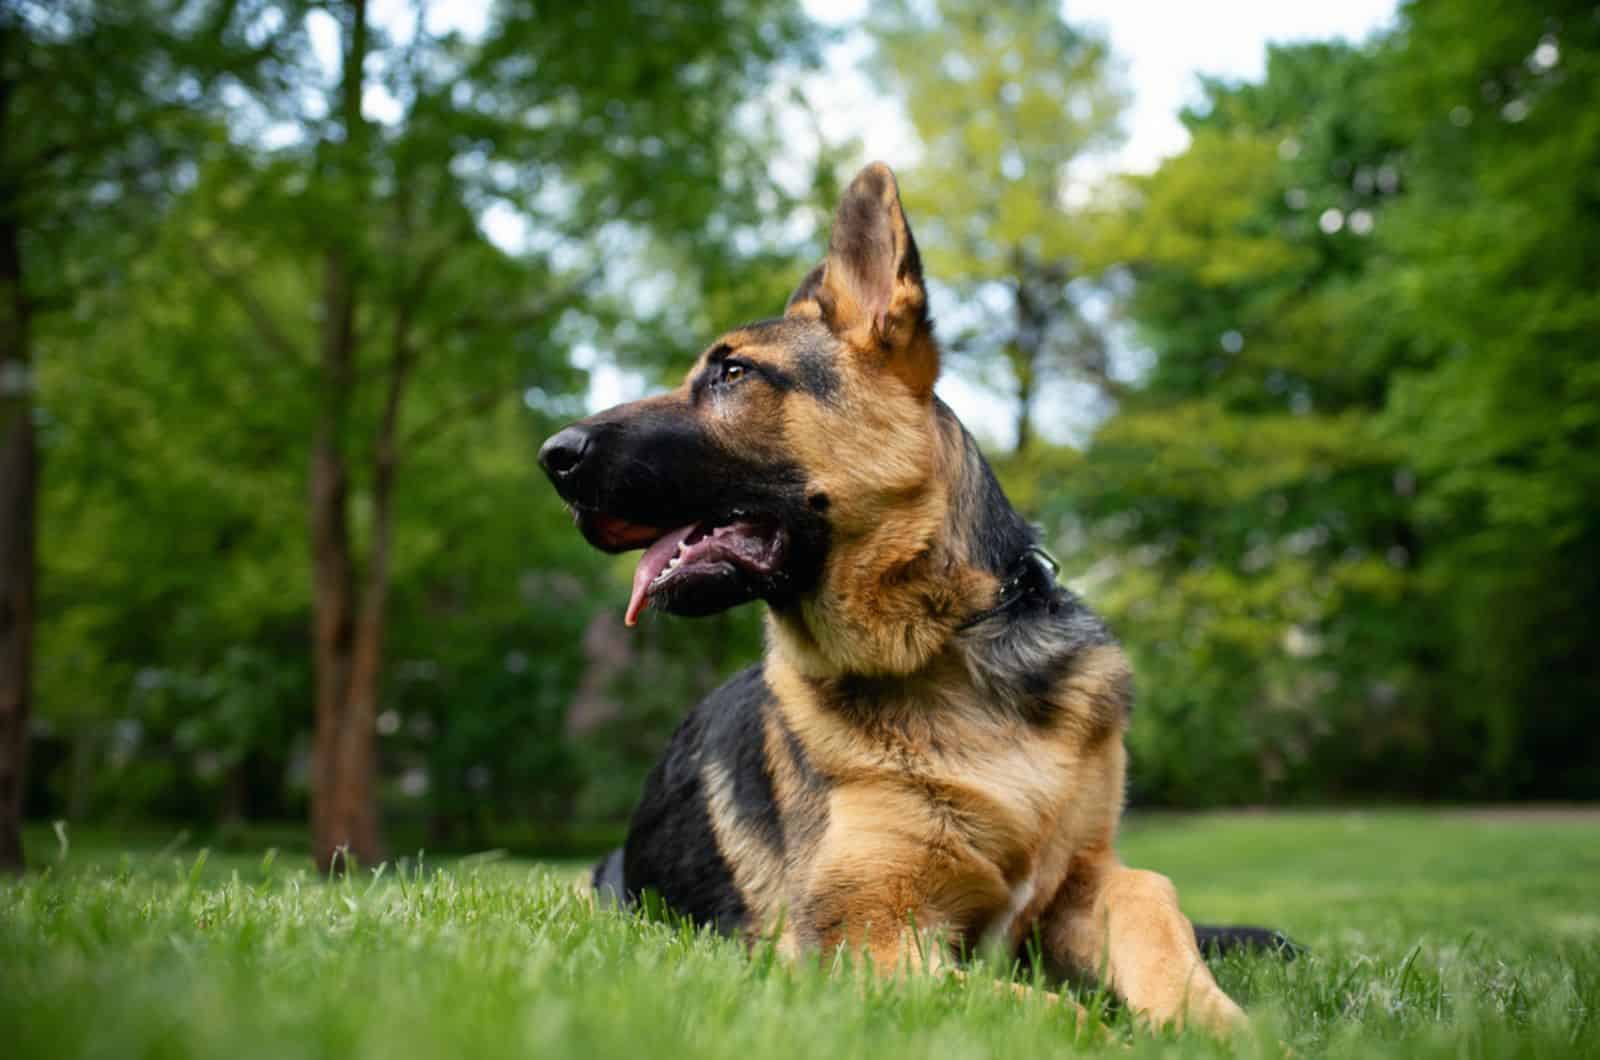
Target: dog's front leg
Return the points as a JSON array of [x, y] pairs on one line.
[[890, 936], [1125, 923], [894, 940]]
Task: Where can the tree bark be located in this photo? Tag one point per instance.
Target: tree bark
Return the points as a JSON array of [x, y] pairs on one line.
[[344, 816], [333, 825], [19, 478], [19, 483], [1027, 345], [1022, 363], [356, 760]]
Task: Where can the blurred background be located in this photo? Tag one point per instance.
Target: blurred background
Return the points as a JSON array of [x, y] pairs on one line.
[[1280, 318]]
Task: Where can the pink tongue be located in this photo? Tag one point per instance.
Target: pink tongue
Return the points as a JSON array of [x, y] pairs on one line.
[[651, 564]]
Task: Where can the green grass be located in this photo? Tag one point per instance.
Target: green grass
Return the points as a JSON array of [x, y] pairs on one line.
[[1431, 935]]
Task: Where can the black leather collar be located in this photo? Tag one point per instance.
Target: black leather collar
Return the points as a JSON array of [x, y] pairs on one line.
[[1032, 576]]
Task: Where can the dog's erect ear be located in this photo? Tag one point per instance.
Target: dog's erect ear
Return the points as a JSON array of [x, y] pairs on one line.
[[803, 303], [869, 288]]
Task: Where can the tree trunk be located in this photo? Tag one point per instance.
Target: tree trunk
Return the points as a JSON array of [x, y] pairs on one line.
[[19, 469], [355, 764], [1022, 364], [344, 814], [341, 799], [1027, 345], [19, 483]]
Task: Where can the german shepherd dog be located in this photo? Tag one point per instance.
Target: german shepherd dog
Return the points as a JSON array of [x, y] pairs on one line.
[[929, 760]]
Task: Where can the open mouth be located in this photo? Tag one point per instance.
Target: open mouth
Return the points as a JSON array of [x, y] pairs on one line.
[[695, 569]]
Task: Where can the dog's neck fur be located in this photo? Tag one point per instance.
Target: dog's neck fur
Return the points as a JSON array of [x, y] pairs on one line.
[[890, 612]]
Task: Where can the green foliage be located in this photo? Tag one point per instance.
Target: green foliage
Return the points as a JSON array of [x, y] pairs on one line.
[[1348, 521], [178, 403], [1500, 400], [1345, 520], [108, 102], [1429, 936]]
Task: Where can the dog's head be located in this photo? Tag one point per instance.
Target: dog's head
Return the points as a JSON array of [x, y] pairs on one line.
[[788, 440]]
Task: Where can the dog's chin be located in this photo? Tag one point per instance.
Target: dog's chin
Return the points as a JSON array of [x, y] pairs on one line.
[[708, 591]]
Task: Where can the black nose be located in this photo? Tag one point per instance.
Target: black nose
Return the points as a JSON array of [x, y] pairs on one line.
[[561, 455]]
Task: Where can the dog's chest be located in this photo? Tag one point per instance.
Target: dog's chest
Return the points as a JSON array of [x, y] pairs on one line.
[[1005, 813], [988, 789], [946, 802]]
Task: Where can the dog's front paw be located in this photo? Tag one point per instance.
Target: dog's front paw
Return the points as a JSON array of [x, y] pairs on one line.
[[1218, 1015]]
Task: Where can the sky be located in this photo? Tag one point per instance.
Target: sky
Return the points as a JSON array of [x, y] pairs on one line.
[[1163, 46]]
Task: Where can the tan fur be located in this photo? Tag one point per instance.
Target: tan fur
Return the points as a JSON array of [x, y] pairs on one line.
[[894, 588], [758, 875], [1127, 922], [946, 817]]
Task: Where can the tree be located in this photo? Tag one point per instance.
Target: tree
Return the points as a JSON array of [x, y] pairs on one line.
[[96, 108], [1489, 278], [1005, 99], [1345, 519], [1255, 524], [593, 140]]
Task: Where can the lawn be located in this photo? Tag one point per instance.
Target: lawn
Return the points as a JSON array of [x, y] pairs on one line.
[[1452, 934]]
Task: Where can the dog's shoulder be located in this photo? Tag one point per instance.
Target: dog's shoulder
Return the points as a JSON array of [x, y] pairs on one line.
[[1058, 666], [713, 778]]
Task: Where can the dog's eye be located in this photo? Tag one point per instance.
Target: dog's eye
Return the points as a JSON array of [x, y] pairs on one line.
[[732, 372]]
